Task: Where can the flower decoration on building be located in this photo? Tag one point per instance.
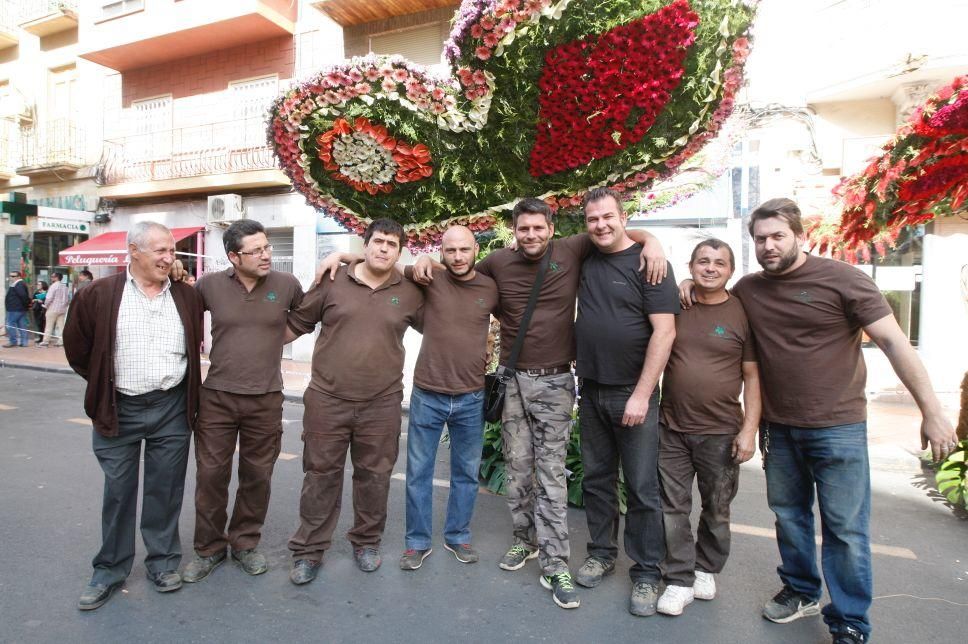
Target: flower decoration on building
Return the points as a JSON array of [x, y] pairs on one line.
[[921, 174], [547, 98]]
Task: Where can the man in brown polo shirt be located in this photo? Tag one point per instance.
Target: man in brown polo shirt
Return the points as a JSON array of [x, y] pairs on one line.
[[241, 399], [353, 399], [704, 433], [808, 314], [537, 413]]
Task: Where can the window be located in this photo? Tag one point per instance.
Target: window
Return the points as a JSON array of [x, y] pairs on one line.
[[423, 45], [250, 100], [120, 8], [152, 129], [62, 92]]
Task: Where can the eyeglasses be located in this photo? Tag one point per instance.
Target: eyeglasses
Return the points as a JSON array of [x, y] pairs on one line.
[[258, 252]]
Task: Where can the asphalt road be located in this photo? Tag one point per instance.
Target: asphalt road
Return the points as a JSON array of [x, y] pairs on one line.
[[50, 524]]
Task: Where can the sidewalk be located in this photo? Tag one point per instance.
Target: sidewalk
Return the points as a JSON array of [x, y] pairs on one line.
[[893, 424]]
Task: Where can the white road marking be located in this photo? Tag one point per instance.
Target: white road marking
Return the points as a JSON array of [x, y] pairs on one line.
[[6, 407], [400, 476], [81, 421], [876, 548]]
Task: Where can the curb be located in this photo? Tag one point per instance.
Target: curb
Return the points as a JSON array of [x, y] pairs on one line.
[[6, 364]]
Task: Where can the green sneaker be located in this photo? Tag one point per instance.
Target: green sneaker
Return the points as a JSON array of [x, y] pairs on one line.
[[413, 558], [562, 590], [516, 557]]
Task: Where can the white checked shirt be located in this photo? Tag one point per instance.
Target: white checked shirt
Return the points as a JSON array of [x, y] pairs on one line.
[[56, 300], [149, 346]]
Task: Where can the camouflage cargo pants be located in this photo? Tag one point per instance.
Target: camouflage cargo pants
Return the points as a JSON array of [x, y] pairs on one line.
[[536, 425]]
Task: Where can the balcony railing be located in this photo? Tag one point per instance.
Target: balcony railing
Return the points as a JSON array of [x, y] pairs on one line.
[[9, 35], [9, 146], [45, 17], [218, 148], [55, 145]]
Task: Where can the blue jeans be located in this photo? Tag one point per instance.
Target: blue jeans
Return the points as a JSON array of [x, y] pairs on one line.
[[833, 461], [464, 417], [17, 328]]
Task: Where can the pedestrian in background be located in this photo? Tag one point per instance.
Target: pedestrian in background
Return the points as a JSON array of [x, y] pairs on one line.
[[55, 305], [17, 302], [37, 309]]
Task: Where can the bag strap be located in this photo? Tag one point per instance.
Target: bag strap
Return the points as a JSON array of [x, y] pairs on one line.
[[532, 302]]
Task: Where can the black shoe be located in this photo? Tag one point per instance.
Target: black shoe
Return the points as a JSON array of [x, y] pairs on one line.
[[789, 605], [165, 582], [96, 595], [304, 571], [848, 635]]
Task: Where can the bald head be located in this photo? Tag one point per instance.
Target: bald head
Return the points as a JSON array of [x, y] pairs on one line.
[[458, 252]]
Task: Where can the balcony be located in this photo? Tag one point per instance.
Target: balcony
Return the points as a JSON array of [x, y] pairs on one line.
[[51, 147], [46, 17], [347, 13], [9, 140], [231, 154], [9, 34], [151, 33]]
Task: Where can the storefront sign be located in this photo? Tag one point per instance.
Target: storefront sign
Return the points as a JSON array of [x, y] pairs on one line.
[[93, 259], [62, 226]]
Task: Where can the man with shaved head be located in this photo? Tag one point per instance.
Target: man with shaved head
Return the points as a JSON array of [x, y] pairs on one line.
[[448, 387]]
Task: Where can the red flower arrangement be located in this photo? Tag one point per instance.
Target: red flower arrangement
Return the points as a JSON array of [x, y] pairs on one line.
[[922, 173], [593, 102]]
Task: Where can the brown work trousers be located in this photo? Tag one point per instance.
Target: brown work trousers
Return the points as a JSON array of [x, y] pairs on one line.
[[371, 431], [255, 423]]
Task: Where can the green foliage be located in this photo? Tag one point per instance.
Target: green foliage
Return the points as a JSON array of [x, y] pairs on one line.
[[952, 477]]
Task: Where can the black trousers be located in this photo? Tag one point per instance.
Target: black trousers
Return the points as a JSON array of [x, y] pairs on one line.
[[605, 442], [158, 419]]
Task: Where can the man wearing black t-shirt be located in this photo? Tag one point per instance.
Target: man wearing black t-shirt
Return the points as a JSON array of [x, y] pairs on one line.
[[625, 330]]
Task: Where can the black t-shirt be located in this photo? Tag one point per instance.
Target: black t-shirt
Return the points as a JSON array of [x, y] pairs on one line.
[[614, 302]]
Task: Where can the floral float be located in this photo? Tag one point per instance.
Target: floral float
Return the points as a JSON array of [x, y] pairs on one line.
[[547, 98], [921, 174]]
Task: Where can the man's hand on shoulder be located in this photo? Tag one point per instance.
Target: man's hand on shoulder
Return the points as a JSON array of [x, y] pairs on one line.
[[329, 264], [686, 296], [423, 270], [652, 264]]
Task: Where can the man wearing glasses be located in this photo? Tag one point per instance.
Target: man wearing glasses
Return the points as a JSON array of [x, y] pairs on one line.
[[241, 399]]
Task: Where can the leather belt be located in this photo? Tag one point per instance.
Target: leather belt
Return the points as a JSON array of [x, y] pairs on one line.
[[550, 371]]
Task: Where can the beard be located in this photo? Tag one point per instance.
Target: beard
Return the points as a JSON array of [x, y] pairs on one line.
[[783, 262], [466, 269]]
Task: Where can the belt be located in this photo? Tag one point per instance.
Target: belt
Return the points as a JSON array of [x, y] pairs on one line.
[[550, 371]]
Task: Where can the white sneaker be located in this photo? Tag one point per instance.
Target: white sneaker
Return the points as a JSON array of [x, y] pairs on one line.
[[705, 585], [674, 599]]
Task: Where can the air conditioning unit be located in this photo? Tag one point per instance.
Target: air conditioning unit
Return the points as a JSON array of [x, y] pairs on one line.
[[224, 209]]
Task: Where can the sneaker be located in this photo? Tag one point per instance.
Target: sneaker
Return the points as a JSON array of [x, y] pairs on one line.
[[464, 552], [591, 572], [42, 344], [643, 598], [200, 567], [367, 558], [705, 586], [251, 561], [789, 605], [562, 590], [516, 557], [674, 600], [304, 571], [413, 559], [848, 635]]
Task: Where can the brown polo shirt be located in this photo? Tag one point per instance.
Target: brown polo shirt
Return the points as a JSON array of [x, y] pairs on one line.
[[456, 319], [359, 352], [704, 375], [807, 325], [550, 339], [248, 329]]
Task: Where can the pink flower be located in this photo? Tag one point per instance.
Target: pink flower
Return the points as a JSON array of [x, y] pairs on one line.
[[491, 40], [388, 85], [438, 94], [476, 31], [372, 73], [355, 75], [483, 53]]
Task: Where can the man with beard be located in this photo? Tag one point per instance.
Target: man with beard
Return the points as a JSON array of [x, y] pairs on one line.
[[241, 399], [808, 314], [353, 398]]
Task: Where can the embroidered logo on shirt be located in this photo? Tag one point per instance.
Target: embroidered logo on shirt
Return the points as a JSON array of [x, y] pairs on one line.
[[481, 303], [271, 296], [395, 301], [553, 267], [719, 331], [804, 297]]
